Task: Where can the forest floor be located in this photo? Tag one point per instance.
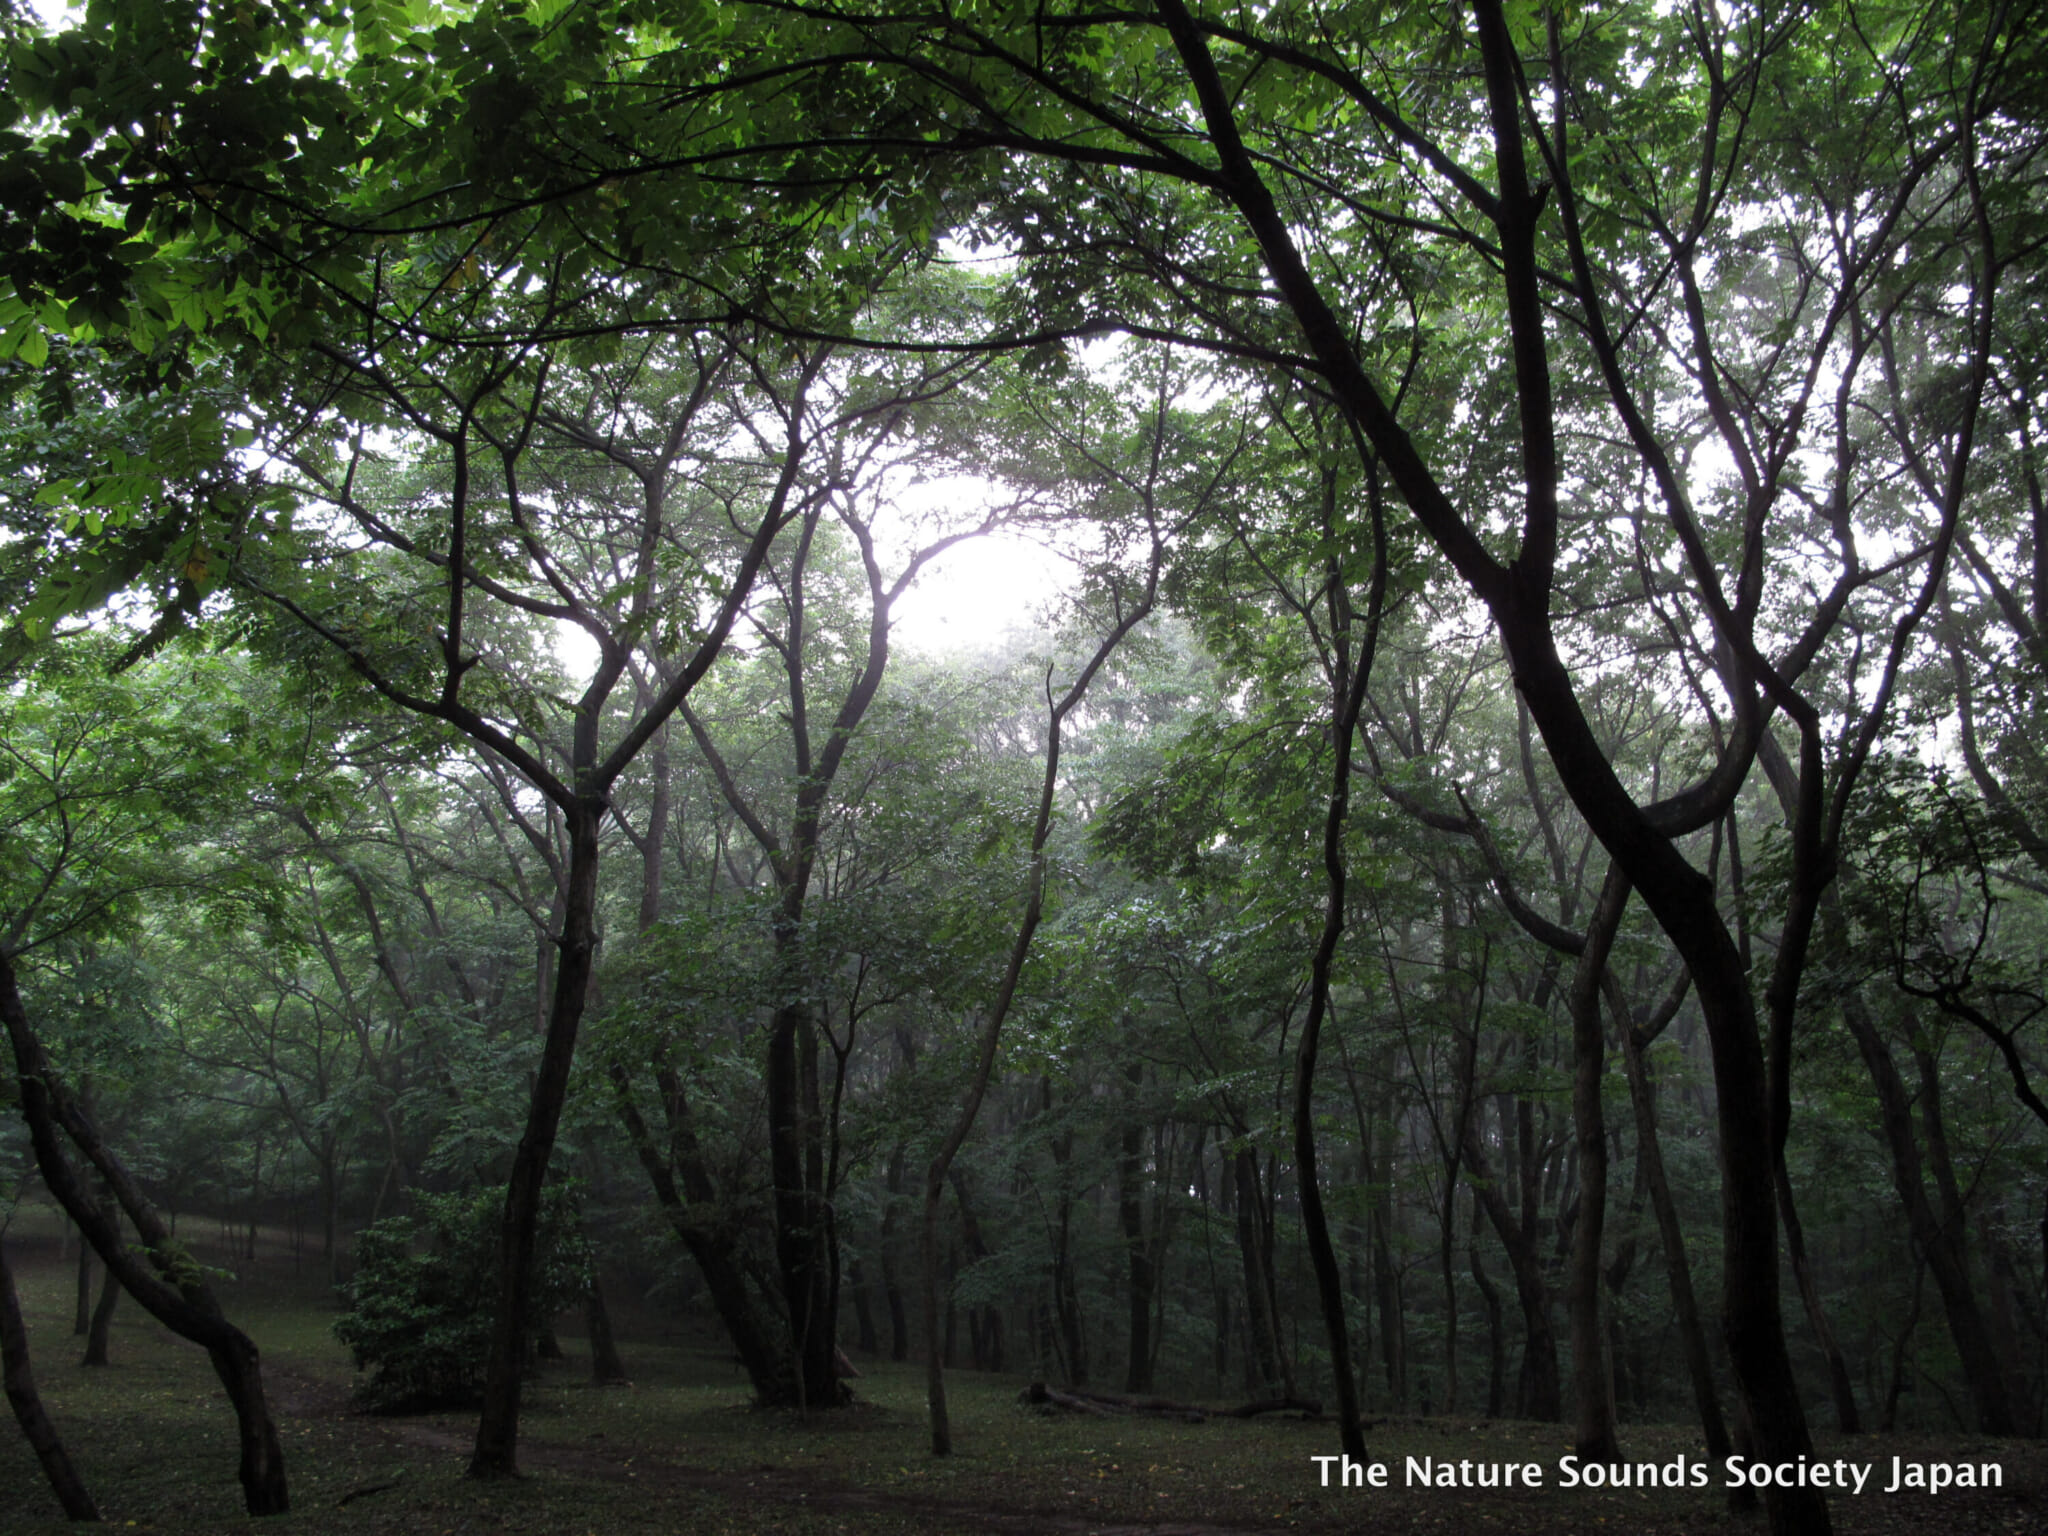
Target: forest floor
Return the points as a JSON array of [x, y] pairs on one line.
[[679, 1450]]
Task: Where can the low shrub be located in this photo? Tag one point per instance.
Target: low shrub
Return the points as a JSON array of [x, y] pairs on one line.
[[425, 1289]]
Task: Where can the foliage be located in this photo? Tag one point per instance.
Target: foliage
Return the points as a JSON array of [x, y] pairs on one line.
[[419, 1303]]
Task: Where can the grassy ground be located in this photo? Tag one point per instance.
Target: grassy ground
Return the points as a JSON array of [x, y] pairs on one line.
[[679, 1450]]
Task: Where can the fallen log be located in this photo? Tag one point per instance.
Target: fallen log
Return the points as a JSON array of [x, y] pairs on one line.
[[1307, 1406], [1106, 1404], [1039, 1395]]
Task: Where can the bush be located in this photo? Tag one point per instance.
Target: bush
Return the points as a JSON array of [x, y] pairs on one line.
[[422, 1319]]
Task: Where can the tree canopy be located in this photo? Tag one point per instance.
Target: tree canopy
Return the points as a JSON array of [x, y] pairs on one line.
[[1559, 574]]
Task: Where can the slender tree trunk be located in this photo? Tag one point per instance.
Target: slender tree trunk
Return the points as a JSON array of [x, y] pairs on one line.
[[1067, 1298], [1262, 1345], [1542, 1393], [1128, 618], [1933, 1238], [800, 1236], [1901, 1352], [180, 1299], [606, 1368], [712, 1243], [1130, 1210], [1386, 1275], [497, 1435], [330, 1201], [1496, 1333], [892, 1286], [81, 1313], [865, 1338], [1840, 1386], [27, 1403], [984, 1323], [1592, 1382], [1685, 1311], [98, 1337], [1348, 698]]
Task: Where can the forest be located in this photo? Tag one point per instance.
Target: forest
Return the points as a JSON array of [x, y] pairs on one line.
[[1470, 880]]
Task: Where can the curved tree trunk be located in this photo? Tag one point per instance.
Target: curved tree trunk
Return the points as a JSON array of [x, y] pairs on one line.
[[1543, 1397], [1349, 680], [712, 1244], [1934, 1239], [180, 1300], [81, 1316], [992, 1026], [20, 1383], [497, 1434], [1592, 1382], [1685, 1310], [606, 1368], [97, 1336]]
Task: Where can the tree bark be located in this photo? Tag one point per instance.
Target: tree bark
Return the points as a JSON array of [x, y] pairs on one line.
[[1128, 618], [97, 1336], [1685, 1311], [27, 1403], [180, 1300], [606, 1368], [1262, 1342], [81, 1315], [1543, 1393], [1130, 1211], [711, 1242], [1592, 1381], [497, 1434], [1932, 1237]]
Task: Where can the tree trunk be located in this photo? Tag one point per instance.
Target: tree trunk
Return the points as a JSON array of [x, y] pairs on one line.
[[1130, 1212], [27, 1403], [800, 1238], [606, 1368], [711, 1242], [1840, 1387], [497, 1434], [81, 1314], [1348, 684], [1933, 1238], [1592, 1382], [1496, 1333], [1518, 595], [1386, 1275], [181, 1300], [330, 1210], [97, 1336], [991, 1030], [892, 1286], [1692, 1336], [1542, 1392], [865, 1338], [1261, 1339]]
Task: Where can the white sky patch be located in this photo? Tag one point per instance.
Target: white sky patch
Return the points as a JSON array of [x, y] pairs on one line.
[[965, 600], [977, 592]]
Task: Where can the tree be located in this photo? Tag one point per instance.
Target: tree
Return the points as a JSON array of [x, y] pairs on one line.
[[1259, 125], [102, 777]]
